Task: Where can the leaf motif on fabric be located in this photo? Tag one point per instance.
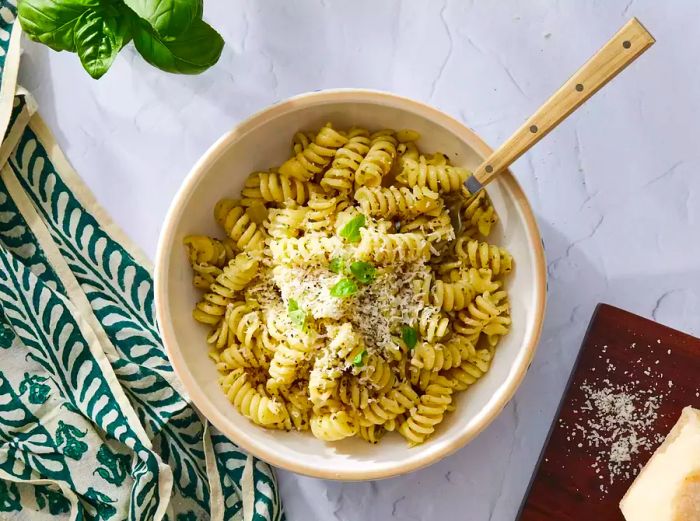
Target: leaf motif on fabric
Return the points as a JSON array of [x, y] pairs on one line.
[[114, 467], [33, 384], [9, 497], [67, 435], [99, 505], [50, 495], [34, 449]]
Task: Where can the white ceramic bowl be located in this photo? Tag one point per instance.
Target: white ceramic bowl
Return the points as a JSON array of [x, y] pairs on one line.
[[262, 141]]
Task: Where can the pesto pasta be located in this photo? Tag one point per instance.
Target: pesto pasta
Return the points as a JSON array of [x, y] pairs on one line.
[[339, 298]]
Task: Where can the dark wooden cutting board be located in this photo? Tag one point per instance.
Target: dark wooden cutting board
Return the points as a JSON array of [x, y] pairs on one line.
[[627, 350]]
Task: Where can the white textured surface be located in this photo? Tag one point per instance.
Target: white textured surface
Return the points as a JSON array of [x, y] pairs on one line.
[[615, 188]]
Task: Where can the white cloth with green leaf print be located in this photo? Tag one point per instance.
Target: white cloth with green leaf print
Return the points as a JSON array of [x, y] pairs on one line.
[[93, 422]]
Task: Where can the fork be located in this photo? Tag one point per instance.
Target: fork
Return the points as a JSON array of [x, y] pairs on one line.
[[621, 50]]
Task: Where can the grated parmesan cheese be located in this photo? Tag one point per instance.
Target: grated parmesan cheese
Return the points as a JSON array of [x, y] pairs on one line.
[[377, 310]]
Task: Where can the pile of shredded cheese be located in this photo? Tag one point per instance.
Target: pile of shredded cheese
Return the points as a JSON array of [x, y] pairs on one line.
[[375, 310]]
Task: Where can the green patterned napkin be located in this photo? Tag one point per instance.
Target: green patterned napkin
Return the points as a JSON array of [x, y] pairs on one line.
[[93, 422]]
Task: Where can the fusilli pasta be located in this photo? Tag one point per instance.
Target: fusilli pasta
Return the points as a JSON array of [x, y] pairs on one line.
[[340, 299]]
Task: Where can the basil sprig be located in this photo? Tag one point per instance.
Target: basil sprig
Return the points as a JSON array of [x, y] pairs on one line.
[[409, 336], [357, 361], [169, 34], [344, 288], [296, 314], [365, 272], [351, 231]]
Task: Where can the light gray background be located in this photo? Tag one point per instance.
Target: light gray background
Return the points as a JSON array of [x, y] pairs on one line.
[[615, 188]]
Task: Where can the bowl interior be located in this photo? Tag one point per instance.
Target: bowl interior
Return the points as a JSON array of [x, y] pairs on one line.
[[264, 141]]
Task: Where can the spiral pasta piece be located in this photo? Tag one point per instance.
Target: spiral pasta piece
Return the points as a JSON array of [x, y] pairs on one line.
[[273, 187], [479, 279], [237, 356], [288, 360], [334, 358], [316, 156], [333, 426], [389, 406], [436, 229], [321, 211], [353, 393], [285, 222], [298, 406], [226, 332], [430, 411], [392, 201], [451, 296], [236, 275], [440, 178], [301, 140], [250, 402], [436, 357], [233, 278], [378, 160], [466, 375], [239, 225], [203, 249], [377, 373], [419, 378], [479, 212], [307, 250], [204, 275], [388, 248], [432, 325], [371, 434], [323, 382], [484, 255], [341, 175], [484, 313]]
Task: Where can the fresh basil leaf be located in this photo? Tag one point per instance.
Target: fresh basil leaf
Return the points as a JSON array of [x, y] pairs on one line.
[[337, 265], [53, 22], [169, 18], [365, 272], [296, 314], [357, 361], [351, 231], [192, 52], [409, 336], [99, 36], [344, 288], [298, 318]]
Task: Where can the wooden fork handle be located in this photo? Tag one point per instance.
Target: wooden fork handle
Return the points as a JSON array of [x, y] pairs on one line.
[[622, 49]]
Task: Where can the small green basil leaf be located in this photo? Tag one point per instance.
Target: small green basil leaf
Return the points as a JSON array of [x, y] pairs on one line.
[[99, 36], [296, 314], [344, 288], [53, 22], [363, 271], [409, 336], [298, 318], [169, 18], [192, 52], [357, 361], [337, 265], [351, 231]]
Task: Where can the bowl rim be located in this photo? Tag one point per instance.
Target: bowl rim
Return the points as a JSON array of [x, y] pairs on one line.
[[506, 389]]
